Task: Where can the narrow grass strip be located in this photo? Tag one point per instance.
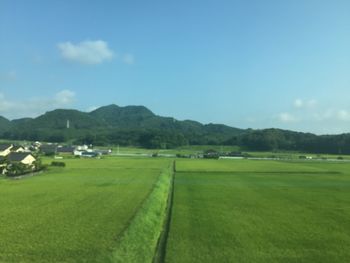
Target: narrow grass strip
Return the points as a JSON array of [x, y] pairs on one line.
[[160, 254], [140, 239]]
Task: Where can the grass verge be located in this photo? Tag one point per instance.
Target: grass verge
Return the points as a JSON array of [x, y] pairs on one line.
[[139, 241]]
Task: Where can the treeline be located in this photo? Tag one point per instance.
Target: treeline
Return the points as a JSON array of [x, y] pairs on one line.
[[138, 126], [150, 138], [130, 125], [253, 140], [277, 140]]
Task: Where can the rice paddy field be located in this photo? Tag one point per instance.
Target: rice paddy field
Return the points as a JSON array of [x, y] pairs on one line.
[[260, 211], [76, 213], [122, 209]]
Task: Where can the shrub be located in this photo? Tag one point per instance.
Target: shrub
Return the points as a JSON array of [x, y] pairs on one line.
[[15, 169], [39, 166], [59, 164], [179, 155]]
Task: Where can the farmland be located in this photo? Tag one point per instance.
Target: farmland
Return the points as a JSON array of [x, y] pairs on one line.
[[260, 211], [76, 213], [114, 209]]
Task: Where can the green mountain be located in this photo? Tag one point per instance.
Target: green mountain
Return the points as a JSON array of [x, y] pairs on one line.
[[139, 117], [113, 124], [138, 126], [122, 117], [5, 124], [58, 119]]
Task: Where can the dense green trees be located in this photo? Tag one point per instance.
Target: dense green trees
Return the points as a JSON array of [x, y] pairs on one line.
[[276, 139], [138, 126], [130, 125]]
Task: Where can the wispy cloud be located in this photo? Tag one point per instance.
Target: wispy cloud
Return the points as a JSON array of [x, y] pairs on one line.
[[331, 114], [86, 52], [35, 106], [91, 108], [64, 97], [343, 115], [309, 110], [128, 59], [299, 103], [314, 116], [286, 117]]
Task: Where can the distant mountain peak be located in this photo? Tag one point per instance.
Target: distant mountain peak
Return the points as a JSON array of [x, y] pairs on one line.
[[112, 123], [122, 116], [110, 107]]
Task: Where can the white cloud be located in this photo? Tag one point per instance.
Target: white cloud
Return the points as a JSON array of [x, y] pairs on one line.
[[343, 115], [86, 52], [64, 97], [92, 108], [128, 59], [314, 116], [325, 114], [287, 117], [35, 106], [311, 103], [331, 114], [299, 103]]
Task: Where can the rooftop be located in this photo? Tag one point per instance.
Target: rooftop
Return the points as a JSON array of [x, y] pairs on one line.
[[5, 146], [17, 157]]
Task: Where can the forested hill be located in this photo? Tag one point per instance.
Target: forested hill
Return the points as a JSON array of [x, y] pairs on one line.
[[5, 124], [138, 126], [130, 125]]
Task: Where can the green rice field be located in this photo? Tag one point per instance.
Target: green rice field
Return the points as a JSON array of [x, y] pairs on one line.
[[73, 214], [122, 209], [260, 211]]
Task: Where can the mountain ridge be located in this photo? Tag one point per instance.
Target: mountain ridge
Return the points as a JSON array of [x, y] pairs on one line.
[[109, 121], [139, 126]]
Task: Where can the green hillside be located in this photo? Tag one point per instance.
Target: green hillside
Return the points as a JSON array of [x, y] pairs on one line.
[[5, 124], [138, 126]]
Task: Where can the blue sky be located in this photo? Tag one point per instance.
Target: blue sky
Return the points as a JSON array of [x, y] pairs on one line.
[[244, 63]]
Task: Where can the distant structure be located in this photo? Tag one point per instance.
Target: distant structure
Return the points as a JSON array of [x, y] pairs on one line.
[[67, 124]]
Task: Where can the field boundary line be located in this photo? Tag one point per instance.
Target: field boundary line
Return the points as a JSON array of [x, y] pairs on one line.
[[159, 256], [138, 240], [120, 234], [261, 172]]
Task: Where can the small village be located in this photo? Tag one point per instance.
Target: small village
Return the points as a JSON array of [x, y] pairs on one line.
[[16, 160]]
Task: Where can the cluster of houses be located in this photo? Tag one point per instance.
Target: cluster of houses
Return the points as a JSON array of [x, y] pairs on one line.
[[11, 154], [79, 151]]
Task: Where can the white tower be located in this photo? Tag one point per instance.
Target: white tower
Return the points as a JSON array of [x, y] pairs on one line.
[[67, 124]]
